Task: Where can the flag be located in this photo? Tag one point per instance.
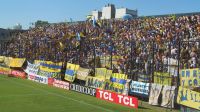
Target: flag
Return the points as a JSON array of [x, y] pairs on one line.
[[78, 37], [89, 17], [61, 45], [95, 23]]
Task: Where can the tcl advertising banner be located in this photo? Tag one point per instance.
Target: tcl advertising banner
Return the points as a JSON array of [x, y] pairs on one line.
[[38, 78], [18, 74], [61, 84], [117, 98], [83, 89]]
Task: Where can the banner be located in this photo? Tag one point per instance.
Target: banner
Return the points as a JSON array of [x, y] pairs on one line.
[[100, 72], [7, 61], [139, 88], [18, 74], [187, 109], [32, 68], [61, 84], [126, 87], [95, 82], [16, 62], [82, 73], [70, 73], [142, 77], [117, 98], [154, 93], [55, 75], [190, 77], [162, 78], [5, 70], [168, 94], [2, 59], [38, 78], [188, 98], [108, 74], [83, 89], [118, 81], [49, 66]]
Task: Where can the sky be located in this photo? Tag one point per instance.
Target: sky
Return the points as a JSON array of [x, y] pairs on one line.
[[26, 12]]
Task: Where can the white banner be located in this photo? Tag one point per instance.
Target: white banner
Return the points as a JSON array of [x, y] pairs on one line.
[[61, 84], [38, 78], [168, 96], [32, 68], [154, 94]]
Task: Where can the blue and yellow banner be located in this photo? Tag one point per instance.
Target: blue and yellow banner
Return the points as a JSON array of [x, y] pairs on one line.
[[188, 98], [190, 77], [49, 66], [118, 82], [70, 73]]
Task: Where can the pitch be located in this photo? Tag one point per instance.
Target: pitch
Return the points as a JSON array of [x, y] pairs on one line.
[[18, 95]]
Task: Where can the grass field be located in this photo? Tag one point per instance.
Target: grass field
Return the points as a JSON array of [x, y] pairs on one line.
[[18, 95]]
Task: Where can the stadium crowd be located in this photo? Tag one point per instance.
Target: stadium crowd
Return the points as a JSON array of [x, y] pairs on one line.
[[140, 40]]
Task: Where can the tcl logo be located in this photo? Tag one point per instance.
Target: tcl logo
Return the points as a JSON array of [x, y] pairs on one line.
[[117, 98], [106, 95]]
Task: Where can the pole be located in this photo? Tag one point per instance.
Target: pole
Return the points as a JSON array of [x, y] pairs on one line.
[[179, 48], [94, 55], [111, 55], [153, 63]]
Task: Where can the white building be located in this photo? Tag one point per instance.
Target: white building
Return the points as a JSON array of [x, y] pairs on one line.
[[123, 11], [97, 14], [108, 12]]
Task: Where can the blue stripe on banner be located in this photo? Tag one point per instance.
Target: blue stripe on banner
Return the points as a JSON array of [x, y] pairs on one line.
[[113, 79], [69, 72], [120, 81], [51, 66]]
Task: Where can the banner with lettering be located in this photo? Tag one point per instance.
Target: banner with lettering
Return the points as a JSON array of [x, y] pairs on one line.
[[16, 62], [188, 98], [139, 88], [162, 78], [38, 78], [83, 89], [71, 71], [95, 82], [55, 75], [100, 72], [61, 84], [82, 73], [117, 98], [154, 93], [190, 77], [32, 68], [168, 94]]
